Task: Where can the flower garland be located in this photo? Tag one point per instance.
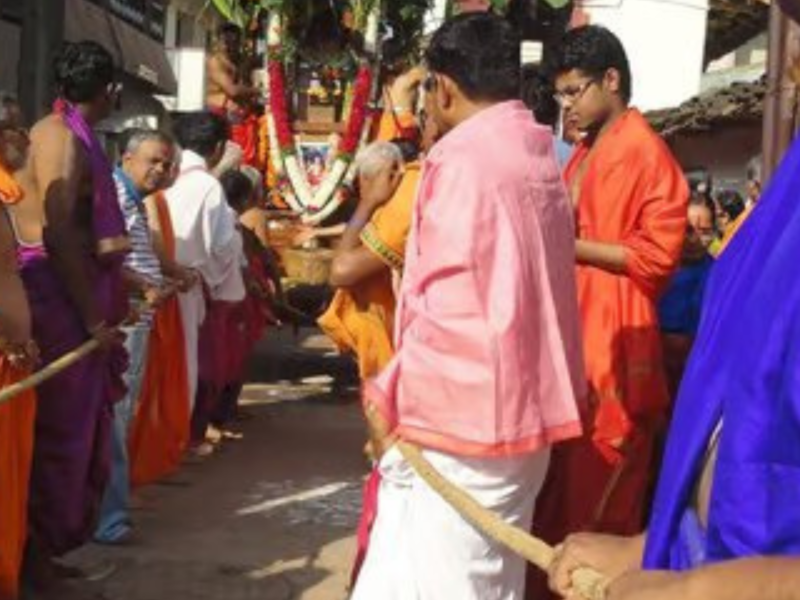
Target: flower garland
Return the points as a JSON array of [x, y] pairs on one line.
[[293, 182]]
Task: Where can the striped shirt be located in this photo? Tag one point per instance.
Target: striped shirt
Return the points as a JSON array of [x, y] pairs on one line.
[[142, 258]]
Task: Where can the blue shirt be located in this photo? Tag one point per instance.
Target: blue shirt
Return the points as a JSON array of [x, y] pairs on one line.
[[680, 307], [142, 258]]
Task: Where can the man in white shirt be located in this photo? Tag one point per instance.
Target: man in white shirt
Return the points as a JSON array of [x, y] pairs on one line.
[[206, 235]]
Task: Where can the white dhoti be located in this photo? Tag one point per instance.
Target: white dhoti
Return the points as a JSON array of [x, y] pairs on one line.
[[422, 549], [193, 313]]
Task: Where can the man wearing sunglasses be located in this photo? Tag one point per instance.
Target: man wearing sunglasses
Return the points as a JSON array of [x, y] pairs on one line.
[[487, 366], [631, 204]]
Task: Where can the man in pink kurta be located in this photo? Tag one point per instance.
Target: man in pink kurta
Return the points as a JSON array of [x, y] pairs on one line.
[[488, 365]]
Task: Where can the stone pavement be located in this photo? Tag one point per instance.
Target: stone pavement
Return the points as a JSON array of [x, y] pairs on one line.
[[269, 518]]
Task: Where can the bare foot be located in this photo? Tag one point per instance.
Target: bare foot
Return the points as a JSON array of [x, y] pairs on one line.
[[232, 436], [213, 435], [202, 450]]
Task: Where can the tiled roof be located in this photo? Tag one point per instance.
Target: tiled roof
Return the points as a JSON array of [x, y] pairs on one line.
[[732, 23], [738, 103]]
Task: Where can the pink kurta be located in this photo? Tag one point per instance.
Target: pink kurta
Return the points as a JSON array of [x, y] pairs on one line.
[[488, 358]]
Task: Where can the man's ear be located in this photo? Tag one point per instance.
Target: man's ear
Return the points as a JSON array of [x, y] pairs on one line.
[[448, 93], [613, 81]]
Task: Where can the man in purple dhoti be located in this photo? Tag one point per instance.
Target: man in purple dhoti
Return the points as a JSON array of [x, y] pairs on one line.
[[72, 242]]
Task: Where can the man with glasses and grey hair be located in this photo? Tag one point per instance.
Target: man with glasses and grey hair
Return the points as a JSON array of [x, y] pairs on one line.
[[147, 160]]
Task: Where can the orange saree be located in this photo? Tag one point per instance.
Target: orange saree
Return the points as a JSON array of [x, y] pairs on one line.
[[633, 194], [16, 452], [361, 319], [160, 432]]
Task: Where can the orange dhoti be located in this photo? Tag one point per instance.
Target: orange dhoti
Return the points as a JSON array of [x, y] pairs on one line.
[[161, 427], [17, 419], [160, 432], [633, 195]]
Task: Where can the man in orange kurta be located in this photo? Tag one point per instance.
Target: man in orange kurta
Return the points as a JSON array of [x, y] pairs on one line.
[[631, 204], [17, 416]]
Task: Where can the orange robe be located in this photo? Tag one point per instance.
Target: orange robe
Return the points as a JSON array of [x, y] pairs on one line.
[[17, 426], [361, 319], [17, 418], [392, 125], [160, 432], [633, 194]]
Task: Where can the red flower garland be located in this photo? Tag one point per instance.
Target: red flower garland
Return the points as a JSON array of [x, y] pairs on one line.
[[362, 91], [277, 99], [358, 112]]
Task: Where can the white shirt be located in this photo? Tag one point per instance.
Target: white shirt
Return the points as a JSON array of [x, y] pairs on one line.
[[206, 235]]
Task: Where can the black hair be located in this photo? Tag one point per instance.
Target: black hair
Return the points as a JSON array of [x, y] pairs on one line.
[[731, 203], [700, 181], [238, 189], [538, 94], [408, 148], [480, 52], [594, 50], [201, 132], [83, 71], [229, 29], [704, 200]]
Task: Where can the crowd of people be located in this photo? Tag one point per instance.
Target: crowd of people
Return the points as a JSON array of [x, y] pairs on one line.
[[567, 329], [159, 262]]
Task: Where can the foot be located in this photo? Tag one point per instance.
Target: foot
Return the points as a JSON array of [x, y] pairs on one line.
[[125, 538], [202, 450], [232, 436], [213, 435]]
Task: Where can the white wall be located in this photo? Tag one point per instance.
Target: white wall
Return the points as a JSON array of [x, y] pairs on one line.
[[665, 41]]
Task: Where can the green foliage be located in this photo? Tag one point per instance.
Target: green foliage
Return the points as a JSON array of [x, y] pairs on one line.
[[404, 19]]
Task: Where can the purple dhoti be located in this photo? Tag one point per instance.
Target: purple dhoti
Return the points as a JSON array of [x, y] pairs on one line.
[[72, 453], [72, 450]]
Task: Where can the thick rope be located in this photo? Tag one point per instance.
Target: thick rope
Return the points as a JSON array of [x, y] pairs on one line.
[[590, 584]]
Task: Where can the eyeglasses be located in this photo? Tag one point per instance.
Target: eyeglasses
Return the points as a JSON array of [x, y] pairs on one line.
[[422, 119], [569, 97], [429, 83]]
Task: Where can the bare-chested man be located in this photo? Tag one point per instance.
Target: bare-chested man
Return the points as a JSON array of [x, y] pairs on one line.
[[229, 95], [71, 237]]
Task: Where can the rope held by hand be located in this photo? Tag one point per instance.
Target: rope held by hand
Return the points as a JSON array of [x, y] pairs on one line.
[[51, 370], [590, 584]]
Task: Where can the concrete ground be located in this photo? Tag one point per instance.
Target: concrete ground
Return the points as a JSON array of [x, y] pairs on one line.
[[271, 517]]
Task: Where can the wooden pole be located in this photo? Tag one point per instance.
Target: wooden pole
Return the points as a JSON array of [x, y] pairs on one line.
[[587, 583], [59, 366], [780, 104]]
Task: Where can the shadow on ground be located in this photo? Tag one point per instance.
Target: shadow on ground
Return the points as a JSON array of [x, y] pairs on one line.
[[269, 518]]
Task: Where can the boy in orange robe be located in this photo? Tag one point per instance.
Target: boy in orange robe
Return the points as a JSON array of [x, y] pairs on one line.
[[17, 355], [631, 204]]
